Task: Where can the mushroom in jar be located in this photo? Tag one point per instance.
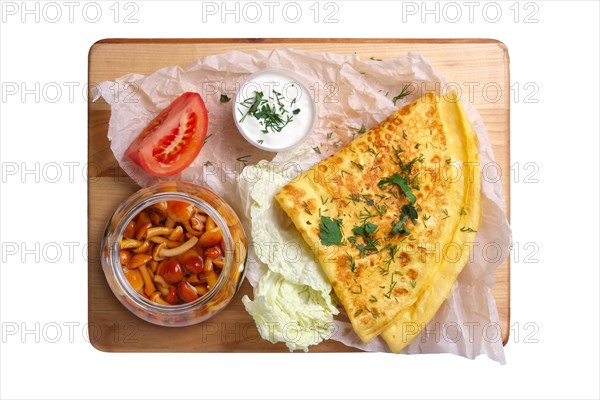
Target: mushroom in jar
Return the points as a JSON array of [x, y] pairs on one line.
[[169, 250]]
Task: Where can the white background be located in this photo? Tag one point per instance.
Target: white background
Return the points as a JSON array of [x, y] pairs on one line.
[[558, 294]]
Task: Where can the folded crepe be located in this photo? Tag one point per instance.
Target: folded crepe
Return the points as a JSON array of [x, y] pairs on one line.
[[392, 216]]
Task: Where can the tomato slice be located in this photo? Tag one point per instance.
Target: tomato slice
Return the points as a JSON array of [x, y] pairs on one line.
[[173, 139]]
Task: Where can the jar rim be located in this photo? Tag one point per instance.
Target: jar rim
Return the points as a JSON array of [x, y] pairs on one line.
[[133, 211]]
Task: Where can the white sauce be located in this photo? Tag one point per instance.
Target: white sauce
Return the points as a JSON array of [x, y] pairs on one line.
[[293, 96]]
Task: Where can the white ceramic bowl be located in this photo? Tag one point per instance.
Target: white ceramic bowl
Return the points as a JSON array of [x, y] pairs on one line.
[[280, 88]]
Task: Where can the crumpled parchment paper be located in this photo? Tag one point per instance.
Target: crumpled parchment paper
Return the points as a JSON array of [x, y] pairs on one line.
[[349, 92]]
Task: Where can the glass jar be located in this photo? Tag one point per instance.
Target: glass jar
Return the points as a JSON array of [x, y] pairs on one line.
[[234, 249]]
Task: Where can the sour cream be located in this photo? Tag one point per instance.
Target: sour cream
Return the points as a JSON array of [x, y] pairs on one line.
[[289, 118]]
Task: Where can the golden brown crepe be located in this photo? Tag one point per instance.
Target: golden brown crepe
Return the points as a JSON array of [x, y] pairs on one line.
[[463, 218], [399, 195]]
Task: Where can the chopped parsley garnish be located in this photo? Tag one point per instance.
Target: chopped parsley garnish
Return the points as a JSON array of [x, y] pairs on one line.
[[413, 283], [351, 262], [330, 231], [400, 227], [402, 183], [252, 103], [381, 209], [207, 137], [360, 130], [462, 211], [406, 169], [266, 112], [393, 251], [372, 151], [354, 197], [369, 247], [224, 98], [405, 92], [260, 141], [357, 165], [357, 292], [243, 160], [375, 314], [208, 163], [365, 229], [425, 219], [329, 135], [445, 213], [408, 211], [306, 210], [392, 285], [365, 215], [317, 150], [467, 229]]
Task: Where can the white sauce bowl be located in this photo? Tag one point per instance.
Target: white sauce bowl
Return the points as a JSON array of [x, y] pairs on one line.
[[285, 91]]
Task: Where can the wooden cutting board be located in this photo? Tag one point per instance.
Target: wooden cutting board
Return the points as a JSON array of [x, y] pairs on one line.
[[479, 67]]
